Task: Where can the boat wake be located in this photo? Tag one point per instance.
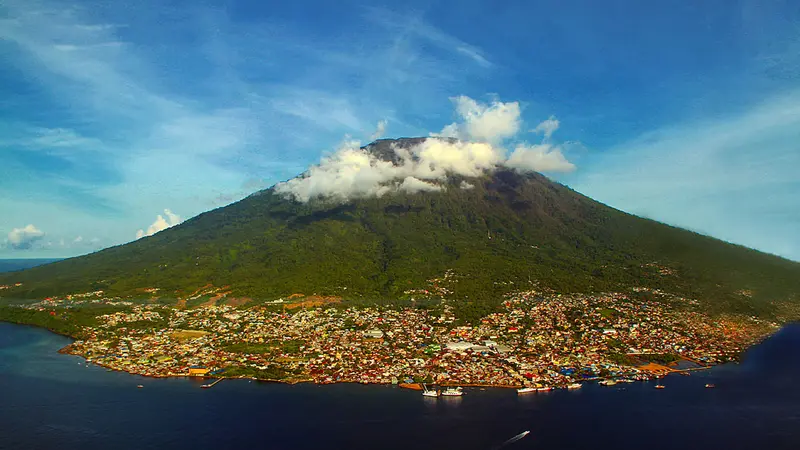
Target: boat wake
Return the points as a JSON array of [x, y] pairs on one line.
[[512, 440]]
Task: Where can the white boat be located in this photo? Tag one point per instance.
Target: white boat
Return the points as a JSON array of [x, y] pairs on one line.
[[544, 389], [659, 386], [428, 392], [515, 438], [574, 386], [607, 383], [453, 392], [709, 386], [525, 390]]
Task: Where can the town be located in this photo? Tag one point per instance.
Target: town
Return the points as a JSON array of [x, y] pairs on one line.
[[537, 339]]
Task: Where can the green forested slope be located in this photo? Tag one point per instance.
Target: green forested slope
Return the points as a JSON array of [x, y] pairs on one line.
[[509, 227]]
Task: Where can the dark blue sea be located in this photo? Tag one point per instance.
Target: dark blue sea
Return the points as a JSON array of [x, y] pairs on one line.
[[12, 265], [50, 400]]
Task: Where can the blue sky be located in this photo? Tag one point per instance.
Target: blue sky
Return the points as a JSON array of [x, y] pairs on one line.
[[113, 112]]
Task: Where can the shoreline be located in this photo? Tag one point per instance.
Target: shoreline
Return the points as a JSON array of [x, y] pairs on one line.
[[66, 351]]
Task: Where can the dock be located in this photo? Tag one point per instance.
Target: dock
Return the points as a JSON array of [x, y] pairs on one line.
[[210, 385]]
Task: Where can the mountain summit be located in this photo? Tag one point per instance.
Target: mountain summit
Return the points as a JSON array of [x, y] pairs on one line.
[[495, 231]]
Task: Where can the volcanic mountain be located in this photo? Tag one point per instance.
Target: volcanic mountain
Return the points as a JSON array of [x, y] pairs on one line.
[[496, 232]]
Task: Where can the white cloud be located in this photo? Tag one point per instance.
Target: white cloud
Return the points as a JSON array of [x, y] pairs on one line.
[[485, 123], [380, 130], [413, 184], [352, 172], [547, 127], [539, 158], [160, 224], [469, 149], [24, 238], [414, 26], [77, 240], [734, 177], [466, 185]]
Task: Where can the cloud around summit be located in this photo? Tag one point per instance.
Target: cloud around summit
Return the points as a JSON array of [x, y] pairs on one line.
[[469, 147]]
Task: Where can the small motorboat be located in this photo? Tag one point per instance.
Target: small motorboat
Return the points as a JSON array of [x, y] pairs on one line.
[[709, 386]]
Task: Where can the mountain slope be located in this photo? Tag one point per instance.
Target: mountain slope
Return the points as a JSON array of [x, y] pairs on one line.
[[507, 228]]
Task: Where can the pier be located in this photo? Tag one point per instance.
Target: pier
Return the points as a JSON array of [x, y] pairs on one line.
[[210, 385]]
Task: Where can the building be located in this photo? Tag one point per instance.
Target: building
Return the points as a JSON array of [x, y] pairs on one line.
[[374, 334], [198, 371], [458, 346]]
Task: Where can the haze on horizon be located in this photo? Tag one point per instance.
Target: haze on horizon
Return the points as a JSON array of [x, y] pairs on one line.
[[123, 120]]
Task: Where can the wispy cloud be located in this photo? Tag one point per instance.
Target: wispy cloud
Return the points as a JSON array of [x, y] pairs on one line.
[[731, 177], [414, 26], [129, 125]]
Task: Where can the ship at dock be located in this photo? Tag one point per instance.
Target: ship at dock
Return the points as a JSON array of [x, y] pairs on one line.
[[453, 392]]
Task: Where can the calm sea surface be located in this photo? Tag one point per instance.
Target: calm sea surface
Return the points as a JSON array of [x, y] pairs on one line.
[[11, 265], [49, 400]]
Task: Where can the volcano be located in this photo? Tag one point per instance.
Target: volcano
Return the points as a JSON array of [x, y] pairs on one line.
[[497, 232]]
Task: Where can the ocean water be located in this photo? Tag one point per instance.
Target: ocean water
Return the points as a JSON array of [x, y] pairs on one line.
[[12, 265], [49, 400]]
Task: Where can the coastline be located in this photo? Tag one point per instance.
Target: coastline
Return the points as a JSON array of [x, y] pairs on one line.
[[647, 376], [65, 351]]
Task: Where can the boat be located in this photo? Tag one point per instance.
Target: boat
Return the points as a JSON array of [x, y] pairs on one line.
[[660, 386], [525, 390], [139, 386], [574, 386], [428, 392], [453, 392], [710, 386], [515, 438], [544, 389], [607, 383]]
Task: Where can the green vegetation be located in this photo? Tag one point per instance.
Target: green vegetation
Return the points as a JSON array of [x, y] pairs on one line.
[[622, 359], [272, 372], [64, 321], [249, 347], [509, 232], [289, 347], [664, 359]]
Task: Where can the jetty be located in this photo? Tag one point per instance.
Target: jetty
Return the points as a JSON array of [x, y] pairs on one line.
[[210, 385]]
